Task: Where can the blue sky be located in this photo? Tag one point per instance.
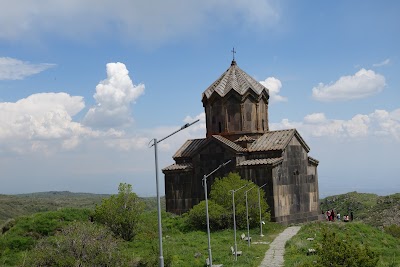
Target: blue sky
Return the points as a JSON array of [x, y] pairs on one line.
[[85, 86]]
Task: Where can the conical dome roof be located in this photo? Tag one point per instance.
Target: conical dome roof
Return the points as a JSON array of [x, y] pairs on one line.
[[234, 79]]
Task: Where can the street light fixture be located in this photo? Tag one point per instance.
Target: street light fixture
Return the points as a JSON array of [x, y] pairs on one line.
[[155, 142], [234, 215], [259, 206], [247, 216], [208, 219]]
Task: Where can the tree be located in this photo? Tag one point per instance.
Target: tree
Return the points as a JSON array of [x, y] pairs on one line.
[[121, 212], [78, 244], [221, 208], [219, 217]]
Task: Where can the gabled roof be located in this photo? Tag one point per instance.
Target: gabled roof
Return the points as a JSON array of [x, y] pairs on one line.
[[313, 161], [190, 147], [276, 140], [229, 143], [234, 79], [245, 138], [267, 161], [270, 141], [178, 167]]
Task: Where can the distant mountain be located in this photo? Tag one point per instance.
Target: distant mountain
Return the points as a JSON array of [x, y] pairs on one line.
[[372, 209]]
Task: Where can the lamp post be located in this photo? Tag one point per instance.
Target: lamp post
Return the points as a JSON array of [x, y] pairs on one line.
[[247, 216], [234, 215], [208, 219], [155, 142], [259, 206]]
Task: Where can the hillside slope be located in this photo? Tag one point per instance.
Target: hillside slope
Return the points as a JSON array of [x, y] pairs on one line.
[[372, 209], [13, 206]]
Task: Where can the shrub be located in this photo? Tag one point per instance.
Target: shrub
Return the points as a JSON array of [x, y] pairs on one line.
[[7, 225], [335, 251], [220, 204], [393, 230], [121, 212], [218, 216], [78, 244]]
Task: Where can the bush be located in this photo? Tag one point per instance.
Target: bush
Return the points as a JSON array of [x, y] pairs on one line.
[[121, 212], [7, 226], [25, 231], [335, 251], [219, 217], [78, 244], [393, 230], [220, 205]]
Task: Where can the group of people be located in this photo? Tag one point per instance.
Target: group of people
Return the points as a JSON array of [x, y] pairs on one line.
[[330, 216]]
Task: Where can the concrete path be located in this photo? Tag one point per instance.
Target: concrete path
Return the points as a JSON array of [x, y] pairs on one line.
[[274, 255]]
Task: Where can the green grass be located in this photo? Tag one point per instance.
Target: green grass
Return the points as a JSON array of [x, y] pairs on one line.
[[191, 248], [26, 232], [182, 247], [14, 206], [386, 246]]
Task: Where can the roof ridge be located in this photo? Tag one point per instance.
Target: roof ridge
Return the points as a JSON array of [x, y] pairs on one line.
[[234, 78], [228, 142]]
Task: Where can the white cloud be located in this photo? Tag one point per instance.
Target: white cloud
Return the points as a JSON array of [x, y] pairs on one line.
[[151, 21], [36, 122], [315, 118], [383, 63], [14, 69], [378, 123], [362, 84], [274, 85], [114, 96]]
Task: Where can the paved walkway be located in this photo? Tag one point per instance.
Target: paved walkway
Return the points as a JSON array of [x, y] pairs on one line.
[[274, 255]]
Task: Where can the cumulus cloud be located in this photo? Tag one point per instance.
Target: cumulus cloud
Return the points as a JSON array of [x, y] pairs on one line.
[[377, 123], [383, 63], [135, 19], [315, 118], [362, 84], [14, 69], [274, 85], [28, 123], [114, 96]]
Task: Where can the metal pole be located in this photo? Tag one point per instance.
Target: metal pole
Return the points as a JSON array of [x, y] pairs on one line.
[[259, 206], [208, 220], [234, 215], [234, 222], [247, 216], [207, 216], [161, 263], [158, 207]]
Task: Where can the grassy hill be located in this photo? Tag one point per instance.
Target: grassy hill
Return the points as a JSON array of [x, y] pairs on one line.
[[378, 211], [353, 234], [182, 245], [13, 206]]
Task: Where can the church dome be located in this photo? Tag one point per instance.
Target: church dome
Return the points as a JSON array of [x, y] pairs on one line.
[[235, 105], [236, 79]]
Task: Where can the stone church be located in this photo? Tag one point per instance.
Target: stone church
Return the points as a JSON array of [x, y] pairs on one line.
[[236, 108]]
